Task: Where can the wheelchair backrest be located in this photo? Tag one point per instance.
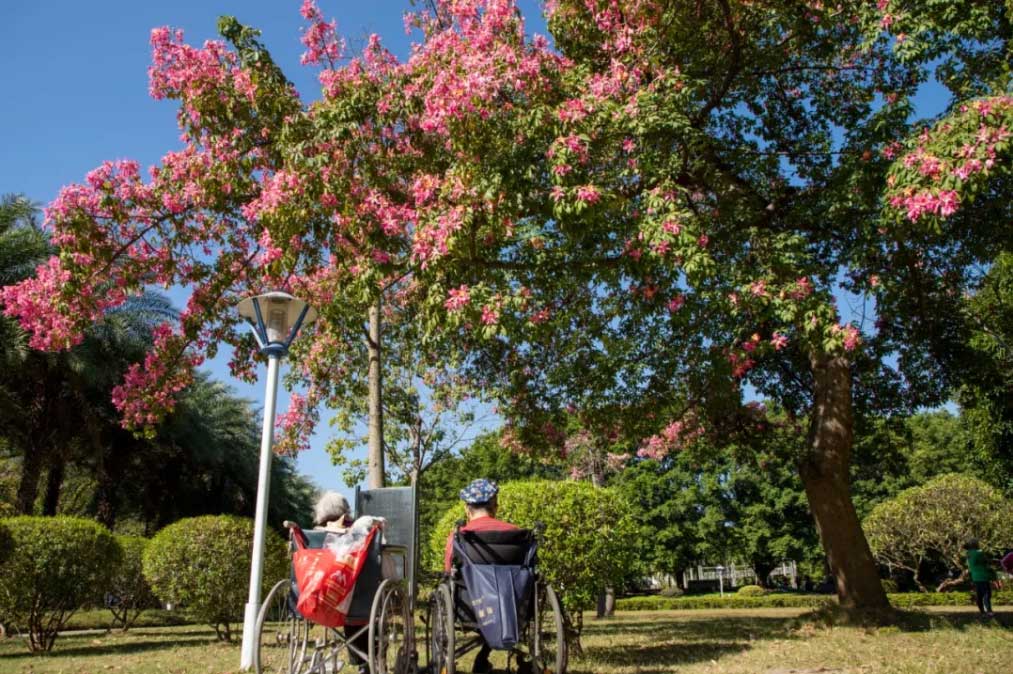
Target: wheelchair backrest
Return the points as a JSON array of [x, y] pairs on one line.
[[510, 548], [399, 506]]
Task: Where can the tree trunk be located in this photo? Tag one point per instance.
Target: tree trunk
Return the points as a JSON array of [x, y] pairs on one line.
[[824, 472], [28, 487], [375, 478], [54, 483], [762, 570]]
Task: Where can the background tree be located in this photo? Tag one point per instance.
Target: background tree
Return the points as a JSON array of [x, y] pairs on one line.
[[932, 522]]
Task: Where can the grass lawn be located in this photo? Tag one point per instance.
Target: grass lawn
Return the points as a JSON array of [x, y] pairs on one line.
[[763, 641]]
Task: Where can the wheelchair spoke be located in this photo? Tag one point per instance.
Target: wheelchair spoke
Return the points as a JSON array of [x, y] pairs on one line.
[[546, 637], [392, 635], [278, 634], [440, 632]]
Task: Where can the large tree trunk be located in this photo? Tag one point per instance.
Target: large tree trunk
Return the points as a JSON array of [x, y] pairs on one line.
[[375, 478], [825, 475], [54, 483], [28, 486]]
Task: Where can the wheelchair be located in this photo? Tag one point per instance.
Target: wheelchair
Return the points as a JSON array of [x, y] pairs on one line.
[[452, 629], [379, 627]]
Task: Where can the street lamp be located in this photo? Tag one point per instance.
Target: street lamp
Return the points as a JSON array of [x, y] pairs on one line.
[[721, 579], [275, 318]]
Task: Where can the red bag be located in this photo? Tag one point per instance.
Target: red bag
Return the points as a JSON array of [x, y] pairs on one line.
[[326, 581]]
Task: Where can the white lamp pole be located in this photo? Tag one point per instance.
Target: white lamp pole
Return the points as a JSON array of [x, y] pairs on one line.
[[721, 580], [284, 316]]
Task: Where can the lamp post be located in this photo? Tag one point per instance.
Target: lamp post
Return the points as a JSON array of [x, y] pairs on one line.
[[721, 579], [275, 318]]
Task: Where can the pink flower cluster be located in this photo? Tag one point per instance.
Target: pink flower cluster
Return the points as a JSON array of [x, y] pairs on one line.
[[943, 203], [850, 336], [960, 153], [149, 389], [31, 303], [676, 435], [177, 69], [297, 423], [321, 38], [458, 298]]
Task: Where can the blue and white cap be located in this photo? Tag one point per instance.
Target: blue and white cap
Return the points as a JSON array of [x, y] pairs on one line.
[[479, 491]]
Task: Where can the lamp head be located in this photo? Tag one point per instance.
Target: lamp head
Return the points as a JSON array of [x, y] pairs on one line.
[[276, 318]]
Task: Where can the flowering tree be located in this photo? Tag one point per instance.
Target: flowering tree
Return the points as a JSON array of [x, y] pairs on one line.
[[633, 223]]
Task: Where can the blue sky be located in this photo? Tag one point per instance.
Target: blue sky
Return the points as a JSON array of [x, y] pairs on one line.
[[74, 77]]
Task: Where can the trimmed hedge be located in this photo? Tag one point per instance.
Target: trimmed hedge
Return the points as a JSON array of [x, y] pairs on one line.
[[751, 591], [706, 601], [202, 564], [55, 566], [780, 600], [916, 599]]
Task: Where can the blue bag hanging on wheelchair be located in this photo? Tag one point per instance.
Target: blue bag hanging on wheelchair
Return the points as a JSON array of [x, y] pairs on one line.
[[498, 595]]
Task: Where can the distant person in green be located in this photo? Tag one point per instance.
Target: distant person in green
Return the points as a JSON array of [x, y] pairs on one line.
[[982, 575]]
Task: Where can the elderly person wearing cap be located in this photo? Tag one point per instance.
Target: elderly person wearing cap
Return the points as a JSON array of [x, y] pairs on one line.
[[480, 505]]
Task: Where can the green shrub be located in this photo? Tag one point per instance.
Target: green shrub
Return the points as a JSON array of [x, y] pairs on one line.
[[889, 586], [587, 540], [56, 565], [751, 591], [203, 565], [129, 592]]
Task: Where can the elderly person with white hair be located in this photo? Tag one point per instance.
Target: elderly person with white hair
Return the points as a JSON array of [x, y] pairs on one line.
[[332, 513]]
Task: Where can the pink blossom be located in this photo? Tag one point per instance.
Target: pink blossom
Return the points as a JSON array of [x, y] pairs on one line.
[[589, 194], [458, 298], [758, 288], [851, 337], [676, 303], [490, 314], [778, 341]]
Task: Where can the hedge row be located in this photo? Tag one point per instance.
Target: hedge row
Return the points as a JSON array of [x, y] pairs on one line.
[[52, 567], [778, 600], [773, 600]]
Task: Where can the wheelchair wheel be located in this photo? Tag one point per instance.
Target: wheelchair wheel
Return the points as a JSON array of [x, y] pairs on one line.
[[547, 633], [280, 634], [440, 631], [391, 630]]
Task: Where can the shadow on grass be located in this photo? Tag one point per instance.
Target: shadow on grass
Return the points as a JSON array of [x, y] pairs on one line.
[[695, 629], [655, 658], [69, 646], [920, 621]]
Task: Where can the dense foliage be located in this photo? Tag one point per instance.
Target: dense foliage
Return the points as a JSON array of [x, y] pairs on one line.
[[202, 564], [587, 542], [56, 565]]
